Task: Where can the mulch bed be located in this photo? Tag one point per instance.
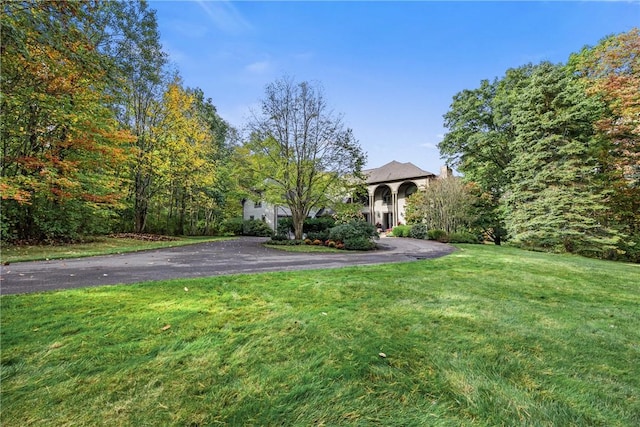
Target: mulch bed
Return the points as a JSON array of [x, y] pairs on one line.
[[143, 236]]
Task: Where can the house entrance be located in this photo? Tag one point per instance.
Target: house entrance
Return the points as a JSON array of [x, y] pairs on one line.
[[387, 220]]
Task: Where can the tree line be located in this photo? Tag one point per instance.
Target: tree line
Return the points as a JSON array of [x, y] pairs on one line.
[[551, 152], [98, 133]]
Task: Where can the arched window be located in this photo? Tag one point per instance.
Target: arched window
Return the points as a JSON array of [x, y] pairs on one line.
[[386, 196], [412, 188]]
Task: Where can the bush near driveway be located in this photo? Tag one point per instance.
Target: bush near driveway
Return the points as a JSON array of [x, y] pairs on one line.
[[418, 231], [255, 227], [401, 231]]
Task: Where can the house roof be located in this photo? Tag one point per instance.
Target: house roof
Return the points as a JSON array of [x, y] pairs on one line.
[[395, 171]]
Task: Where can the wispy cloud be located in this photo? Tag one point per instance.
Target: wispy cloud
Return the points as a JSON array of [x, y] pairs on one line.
[[225, 16], [258, 67], [429, 145], [433, 145]]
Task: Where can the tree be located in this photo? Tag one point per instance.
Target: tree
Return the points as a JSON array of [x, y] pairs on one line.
[[554, 200], [445, 204], [137, 83], [479, 142], [611, 73], [185, 165], [299, 150], [61, 147]]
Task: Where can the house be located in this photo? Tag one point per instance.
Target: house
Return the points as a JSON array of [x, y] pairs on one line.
[[387, 190]]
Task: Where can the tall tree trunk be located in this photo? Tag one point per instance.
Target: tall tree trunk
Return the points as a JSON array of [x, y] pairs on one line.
[[141, 203], [297, 218]]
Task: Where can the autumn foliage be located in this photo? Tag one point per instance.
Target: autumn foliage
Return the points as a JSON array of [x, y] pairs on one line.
[[94, 140]]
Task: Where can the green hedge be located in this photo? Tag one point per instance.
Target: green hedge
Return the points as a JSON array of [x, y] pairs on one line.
[[401, 231], [464, 237], [438, 235], [255, 227], [418, 231]]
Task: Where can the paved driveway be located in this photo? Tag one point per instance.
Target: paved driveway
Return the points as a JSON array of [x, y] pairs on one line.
[[242, 255]]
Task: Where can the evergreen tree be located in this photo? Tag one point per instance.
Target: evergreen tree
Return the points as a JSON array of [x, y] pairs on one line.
[[554, 202]]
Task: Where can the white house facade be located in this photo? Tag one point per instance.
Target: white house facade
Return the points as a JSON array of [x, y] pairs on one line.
[[387, 186]]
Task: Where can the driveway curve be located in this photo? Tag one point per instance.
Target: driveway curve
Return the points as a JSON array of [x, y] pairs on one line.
[[242, 255]]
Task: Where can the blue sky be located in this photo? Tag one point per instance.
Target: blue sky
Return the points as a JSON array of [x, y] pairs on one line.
[[391, 68]]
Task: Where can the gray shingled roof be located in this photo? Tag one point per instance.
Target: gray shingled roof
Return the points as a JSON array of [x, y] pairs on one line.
[[395, 171]]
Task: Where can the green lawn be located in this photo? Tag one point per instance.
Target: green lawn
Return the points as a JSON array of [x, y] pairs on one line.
[[487, 336], [100, 246]]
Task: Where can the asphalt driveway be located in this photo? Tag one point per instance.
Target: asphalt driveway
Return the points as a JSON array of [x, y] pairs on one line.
[[242, 255]]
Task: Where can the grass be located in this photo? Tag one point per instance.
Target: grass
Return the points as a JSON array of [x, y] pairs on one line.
[[101, 246], [487, 336]]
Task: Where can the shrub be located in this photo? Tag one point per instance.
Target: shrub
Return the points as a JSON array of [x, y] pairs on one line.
[[331, 244], [354, 235], [318, 225], [401, 230], [255, 227], [307, 241], [464, 237], [418, 231], [233, 226], [280, 237], [359, 244], [317, 242], [352, 229], [285, 225], [288, 242], [438, 235], [318, 235]]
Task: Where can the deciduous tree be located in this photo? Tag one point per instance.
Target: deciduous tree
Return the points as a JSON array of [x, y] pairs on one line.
[[61, 147], [445, 204], [611, 73], [299, 150]]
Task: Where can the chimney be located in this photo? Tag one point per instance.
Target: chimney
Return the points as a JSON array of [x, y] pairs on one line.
[[445, 172]]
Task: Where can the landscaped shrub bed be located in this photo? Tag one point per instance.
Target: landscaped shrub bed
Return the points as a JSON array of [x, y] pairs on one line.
[[419, 231], [354, 236], [287, 242]]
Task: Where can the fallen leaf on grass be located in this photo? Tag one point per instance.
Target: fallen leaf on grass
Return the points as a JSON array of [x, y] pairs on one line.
[[382, 355], [165, 327]]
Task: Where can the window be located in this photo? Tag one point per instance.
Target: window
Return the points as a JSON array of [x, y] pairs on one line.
[[386, 197], [410, 190]]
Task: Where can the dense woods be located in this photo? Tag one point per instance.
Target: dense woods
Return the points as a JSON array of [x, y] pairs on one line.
[[554, 151], [97, 134]]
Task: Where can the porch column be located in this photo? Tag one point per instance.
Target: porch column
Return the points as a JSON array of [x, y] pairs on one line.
[[394, 198], [372, 201]]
